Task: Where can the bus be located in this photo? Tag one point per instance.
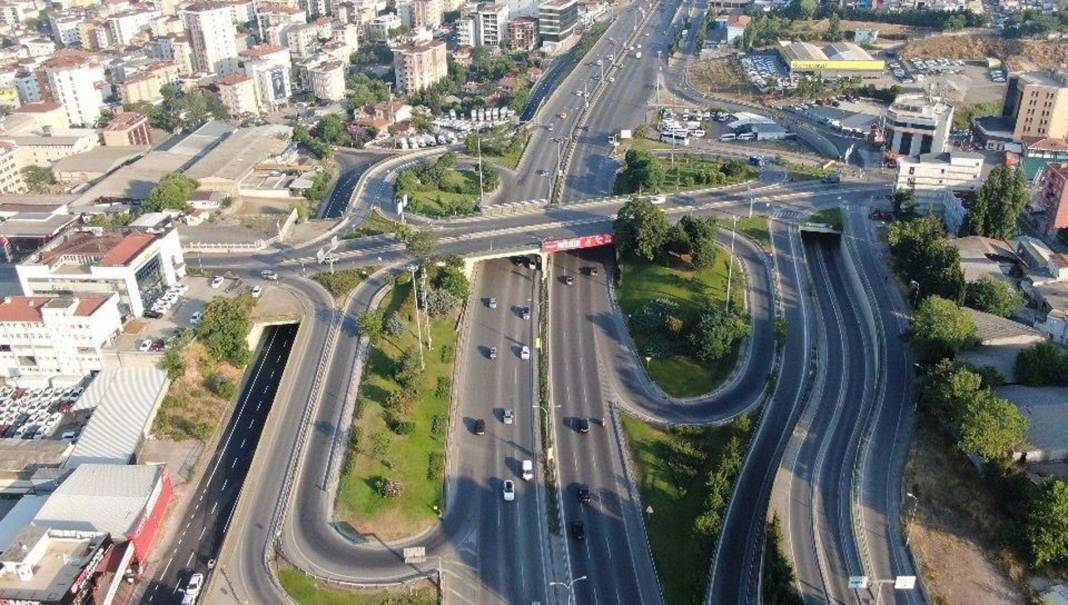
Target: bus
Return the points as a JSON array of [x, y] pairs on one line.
[[675, 138]]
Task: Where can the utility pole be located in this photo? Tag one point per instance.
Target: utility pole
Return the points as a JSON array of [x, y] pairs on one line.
[[730, 266], [418, 324], [749, 194], [429, 339]]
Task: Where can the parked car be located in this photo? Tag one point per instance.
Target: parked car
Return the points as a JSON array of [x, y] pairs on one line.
[[524, 353], [528, 470], [569, 280], [525, 313], [257, 291], [480, 427], [195, 319], [145, 346], [196, 582], [216, 281], [583, 494], [582, 425], [508, 416], [492, 303]]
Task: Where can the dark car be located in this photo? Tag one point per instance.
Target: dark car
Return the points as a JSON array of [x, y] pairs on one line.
[[525, 313], [480, 427], [569, 280], [584, 495], [591, 271], [153, 314], [583, 425], [578, 531]]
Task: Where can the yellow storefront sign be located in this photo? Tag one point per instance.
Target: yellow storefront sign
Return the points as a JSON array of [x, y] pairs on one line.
[[872, 65]]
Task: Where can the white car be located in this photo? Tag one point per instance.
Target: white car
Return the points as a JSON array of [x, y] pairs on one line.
[[145, 346], [257, 291], [508, 416], [525, 352], [509, 490], [195, 319], [657, 200], [216, 281], [528, 470], [196, 582]]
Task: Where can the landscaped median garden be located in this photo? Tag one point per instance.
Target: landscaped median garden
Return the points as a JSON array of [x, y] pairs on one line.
[[441, 189], [646, 172], [502, 146], [673, 290], [307, 591], [391, 485]]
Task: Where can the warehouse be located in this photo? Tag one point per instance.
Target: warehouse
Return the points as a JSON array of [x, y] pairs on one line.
[[831, 60]]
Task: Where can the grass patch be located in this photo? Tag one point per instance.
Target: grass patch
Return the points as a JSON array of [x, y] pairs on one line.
[[307, 591], [806, 172], [377, 224], [342, 281], [691, 172], [963, 115], [195, 402], [410, 455], [755, 227], [459, 200], [641, 282], [673, 468], [828, 216], [501, 148]]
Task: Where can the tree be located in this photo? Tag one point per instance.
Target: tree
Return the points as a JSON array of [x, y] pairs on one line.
[[453, 280], [171, 193], [223, 329], [940, 328], [1046, 525], [641, 229], [991, 427], [701, 232], [834, 30], [715, 332], [38, 179], [805, 9], [921, 254], [332, 130], [406, 371], [992, 296], [372, 323], [1042, 364], [642, 172], [421, 122], [947, 385], [998, 203], [421, 243]]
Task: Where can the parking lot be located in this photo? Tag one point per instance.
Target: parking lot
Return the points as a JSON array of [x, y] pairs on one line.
[[767, 72], [38, 413], [850, 116], [960, 81]]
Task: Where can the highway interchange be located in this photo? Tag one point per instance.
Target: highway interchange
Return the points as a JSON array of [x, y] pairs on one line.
[[842, 519]]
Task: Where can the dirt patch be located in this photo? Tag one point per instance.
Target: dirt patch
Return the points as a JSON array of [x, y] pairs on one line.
[[723, 75], [956, 528], [190, 410], [1020, 55]]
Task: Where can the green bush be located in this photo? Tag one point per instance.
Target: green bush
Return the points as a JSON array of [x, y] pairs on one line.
[[402, 427], [438, 426], [436, 466]]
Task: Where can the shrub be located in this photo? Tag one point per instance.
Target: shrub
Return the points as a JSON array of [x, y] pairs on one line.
[[436, 466], [394, 326], [437, 427], [402, 427], [220, 386], [443, 387]]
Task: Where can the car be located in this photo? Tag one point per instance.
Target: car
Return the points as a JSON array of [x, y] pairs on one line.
[[257, 291], [582, 425], [584, 494], [195, 318], [216, 281], [189, 599], [528, 470], [549, 128], [181, 288], [833, 178], [159, 344], [195, 583], [492, 303], [69, 435], [578, 531], [508, 416], [569, 280], [525, 313], [611, 78], [480, 427], [145, 346], [268, 274], [524, 353], [154, 313], [509, 490], [657, 199], [493, 352]]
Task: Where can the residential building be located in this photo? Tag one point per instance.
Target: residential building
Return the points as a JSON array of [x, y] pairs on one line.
[[138, 265], [419, 66], [10, 175], [93, 35], [349, 35], [176, 48], [380, 27], [64, 29], [127, 128], [212, 35], [72, 78], [492, 23], [1037, 104], [521, 8], [39, 117], [269, 67], [1053, 195], [37, 47], [1000, 341], [1039, 153], [328, 80], [935, 179], [124, 26], [147, 85], [917, 124], [302, 40], [47, 336], [425, 13], [523, 34], [43, 148], [466, 30], [276, 15], [28, 86], [14, 12], [238, 94], [1046, 409], [556, 21]]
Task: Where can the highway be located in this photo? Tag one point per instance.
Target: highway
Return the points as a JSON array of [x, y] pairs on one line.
[[207, 519]]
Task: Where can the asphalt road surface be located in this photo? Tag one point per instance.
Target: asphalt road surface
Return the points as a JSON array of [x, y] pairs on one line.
[[352, 165], [208, 518]]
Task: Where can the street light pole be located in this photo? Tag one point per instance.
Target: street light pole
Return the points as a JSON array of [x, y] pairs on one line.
[[730, 266], [570, 586]]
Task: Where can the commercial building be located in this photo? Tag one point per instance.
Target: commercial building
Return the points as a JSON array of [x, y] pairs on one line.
[[42, 566], [917, 124], [733, 26], [136, 264], [1037, 104], [127, 128], [556, 21], [269, 67], [328, 80], [47, 336], [492, 23], [72, 77], [1053, 195], [212, 36], [147, 85], [238, 94], [43, 148], [835, 59], [124, 403], [226, 166], [523, 34], [418, 66], [936, 179]]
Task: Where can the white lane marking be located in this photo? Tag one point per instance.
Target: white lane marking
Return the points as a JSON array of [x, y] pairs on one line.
[[203, 531], [189, 561], [214, 507]]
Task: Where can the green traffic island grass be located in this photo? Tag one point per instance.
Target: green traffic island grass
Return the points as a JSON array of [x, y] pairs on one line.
[[501, 147], [755, 227], [692, 172], [399, 435], [806, 172], [457, 195], [641, 282], [342, 281], [831, 217], [377, 224], [306, 590], [677, 469]]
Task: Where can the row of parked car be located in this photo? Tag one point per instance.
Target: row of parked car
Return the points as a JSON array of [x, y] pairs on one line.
[[168, 299], [35, 413]]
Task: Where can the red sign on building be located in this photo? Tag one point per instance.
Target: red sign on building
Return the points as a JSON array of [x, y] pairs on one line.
[[574, 243]]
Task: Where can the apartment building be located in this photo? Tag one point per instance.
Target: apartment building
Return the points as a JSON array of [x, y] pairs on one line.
[[328, 80], [492, 24], [269, 67], [14, 12], [124, 26], [137, 264], [467, 30], [45, 336], [176, 48], [10, 177], [426, 13], [302, 40], [72, 77], [1053, 195], [380, 27], [64, 29], [917, 124], [147, 85], [238, 94], [523, 34], [1036, 104], [127, 128], [212, 36], [418, 66], [935, 179], [556, 21]]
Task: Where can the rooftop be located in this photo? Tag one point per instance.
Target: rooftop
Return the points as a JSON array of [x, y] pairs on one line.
[[106, 248], [67, 58], [124, 120], [124, 401], [101, 497], [23, 455], [231, 79], [35, 224], [1045, 78], [238, 154], [29, 308], [1047, 408], [57, 570], [261, 50], [39, 107], [98, 160]]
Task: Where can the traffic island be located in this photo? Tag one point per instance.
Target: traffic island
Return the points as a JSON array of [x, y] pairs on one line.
[[305, 590]]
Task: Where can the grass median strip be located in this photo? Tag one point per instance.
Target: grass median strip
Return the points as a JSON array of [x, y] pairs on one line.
[[308, 591], [686, 475]]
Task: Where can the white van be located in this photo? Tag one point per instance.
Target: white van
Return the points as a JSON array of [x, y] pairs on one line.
[[730, 136], [747, 136]]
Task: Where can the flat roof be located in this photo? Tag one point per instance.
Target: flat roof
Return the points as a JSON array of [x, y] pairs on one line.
[[107, 498], [54, 574], [124, 401], [25, 455], [238, 154], [19, 516], [35, 225], [99, 159]]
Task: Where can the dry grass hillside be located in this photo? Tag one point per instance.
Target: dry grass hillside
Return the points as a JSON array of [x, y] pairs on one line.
[[1021, 55]]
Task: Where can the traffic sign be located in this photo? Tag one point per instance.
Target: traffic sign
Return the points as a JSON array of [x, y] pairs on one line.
[[904, 582], [858, 582], [414, 554]]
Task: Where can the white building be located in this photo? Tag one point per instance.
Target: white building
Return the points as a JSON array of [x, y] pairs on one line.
[[212, 35], [73, 77], [10, 175], [328, 80], [65, 30], [270, 67], [125, 25], [381, 26], [466, 30], [935, 178], [917, 124], [137, 264], [47, 336], [492, 24]]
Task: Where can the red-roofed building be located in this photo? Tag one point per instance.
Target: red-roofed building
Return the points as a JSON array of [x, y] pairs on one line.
[[138, 264], [46, 336], [127, 128]]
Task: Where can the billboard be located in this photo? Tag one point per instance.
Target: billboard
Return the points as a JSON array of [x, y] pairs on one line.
[[279, 90], [847, 65], [574, 243]]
